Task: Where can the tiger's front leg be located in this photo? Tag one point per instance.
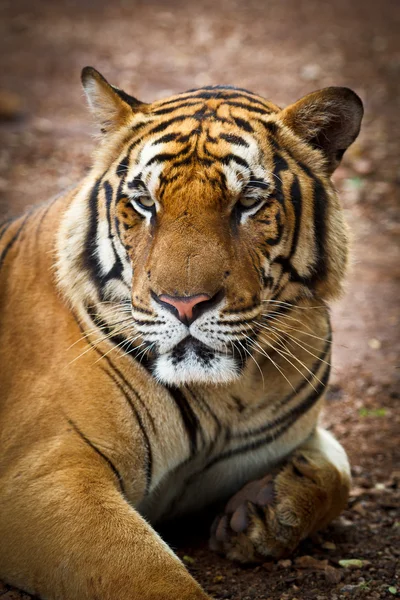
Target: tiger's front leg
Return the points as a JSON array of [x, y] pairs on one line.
[[270, 516], [69, 534]]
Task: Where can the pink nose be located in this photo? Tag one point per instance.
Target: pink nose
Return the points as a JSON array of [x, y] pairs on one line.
[[184, 305]]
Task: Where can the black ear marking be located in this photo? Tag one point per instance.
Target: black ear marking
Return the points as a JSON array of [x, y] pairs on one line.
[[130, 100]]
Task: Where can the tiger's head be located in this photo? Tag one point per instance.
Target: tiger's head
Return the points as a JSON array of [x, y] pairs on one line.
[[200, 210]]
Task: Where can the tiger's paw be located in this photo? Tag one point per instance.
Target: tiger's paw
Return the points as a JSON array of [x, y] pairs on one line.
[[270, 516]]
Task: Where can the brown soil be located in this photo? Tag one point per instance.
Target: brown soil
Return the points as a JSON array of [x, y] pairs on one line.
[[282, 49]]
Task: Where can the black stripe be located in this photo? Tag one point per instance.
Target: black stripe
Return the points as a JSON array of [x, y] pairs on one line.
[[136, 394], [291, 417], [116, 270], [137, 322], [233, 139], [280, 164], [131, 389], [243, 124], [219, 92], [137, 184], [130, 100], [212, 91], [146, 439], [228, 158], [191, 157], [144, 311], [90, 258], [288, 268], [166, 156], [189, 417], [188, 95], [169, 137], [5, 225], [136, 128], [296, 198], [320, 203], [255, 182], [100, 453], [11, 242], [179, 104], [300, 388], [100, 323], [163, 126], [271, 126], [186, 101], [267, 280], [248, 98], [123, 165], [260, 111]]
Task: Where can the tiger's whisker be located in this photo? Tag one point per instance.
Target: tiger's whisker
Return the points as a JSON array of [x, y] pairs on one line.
[[251, 356], [95, 342], [282, 318], [295, 340], [309, 334], [262, 351], [89, 332], [284, 353], [289, 304], [116, 347]]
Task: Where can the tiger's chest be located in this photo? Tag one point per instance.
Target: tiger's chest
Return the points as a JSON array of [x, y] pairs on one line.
[[228, 446]]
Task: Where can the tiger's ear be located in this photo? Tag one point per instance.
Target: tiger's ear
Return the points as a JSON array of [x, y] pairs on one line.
[[110, 106], [328, 119]]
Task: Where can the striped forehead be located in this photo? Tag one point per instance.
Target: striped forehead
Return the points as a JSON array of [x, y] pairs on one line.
[[212, 97], [209, 134]]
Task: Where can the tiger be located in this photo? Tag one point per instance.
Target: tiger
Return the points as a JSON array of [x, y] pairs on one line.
[[165, 343]]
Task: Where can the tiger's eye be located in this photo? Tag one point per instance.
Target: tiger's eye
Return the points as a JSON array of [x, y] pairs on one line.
[[145, 201], [248, 202]]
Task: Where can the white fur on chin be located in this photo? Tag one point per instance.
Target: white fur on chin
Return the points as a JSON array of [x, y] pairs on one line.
[[220, 370]]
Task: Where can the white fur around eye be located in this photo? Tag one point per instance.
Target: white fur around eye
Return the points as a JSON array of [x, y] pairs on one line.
[[247, 212]]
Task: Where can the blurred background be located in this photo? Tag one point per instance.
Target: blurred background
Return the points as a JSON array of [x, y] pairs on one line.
[[281, 49]]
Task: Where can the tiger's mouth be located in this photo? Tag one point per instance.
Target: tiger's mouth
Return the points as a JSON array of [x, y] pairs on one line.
[[193, 361], [191, 345]]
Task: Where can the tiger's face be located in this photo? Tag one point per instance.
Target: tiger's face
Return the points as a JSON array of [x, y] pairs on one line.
[[198, 206], [211, 207]]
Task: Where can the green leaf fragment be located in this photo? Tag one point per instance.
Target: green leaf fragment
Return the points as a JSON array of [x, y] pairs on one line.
[[349, 563], [372, 412], [355, 182]]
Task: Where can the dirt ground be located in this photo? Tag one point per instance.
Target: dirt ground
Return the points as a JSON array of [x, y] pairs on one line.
[[281, 49]]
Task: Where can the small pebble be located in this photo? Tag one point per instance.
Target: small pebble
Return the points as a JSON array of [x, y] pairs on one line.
[[349, 588], [332, 575], [328, 546]]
